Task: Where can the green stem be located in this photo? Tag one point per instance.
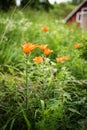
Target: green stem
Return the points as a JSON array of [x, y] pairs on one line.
[[26, 81]]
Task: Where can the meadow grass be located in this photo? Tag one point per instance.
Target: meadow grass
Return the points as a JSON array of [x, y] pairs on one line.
[[26, 26], [57, 91]]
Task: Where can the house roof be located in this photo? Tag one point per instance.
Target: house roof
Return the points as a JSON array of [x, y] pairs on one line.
[[74, 11]]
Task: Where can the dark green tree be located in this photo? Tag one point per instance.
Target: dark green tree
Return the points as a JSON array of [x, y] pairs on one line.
[[37, 4], [5, 4]]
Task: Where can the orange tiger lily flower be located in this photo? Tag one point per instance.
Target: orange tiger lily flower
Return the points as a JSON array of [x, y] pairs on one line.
[[63, 58], [45, 28], [47, 51], [28, 47], [59, 60], [76, 45], [43, 47], [38, 59]]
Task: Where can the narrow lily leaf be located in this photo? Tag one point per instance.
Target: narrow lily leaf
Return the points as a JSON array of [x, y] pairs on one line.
[[74, 111]]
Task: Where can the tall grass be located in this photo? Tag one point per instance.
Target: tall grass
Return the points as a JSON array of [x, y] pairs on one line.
[[57, 91]]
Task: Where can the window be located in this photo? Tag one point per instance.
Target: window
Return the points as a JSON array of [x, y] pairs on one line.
[[78, 17], [84, 10]]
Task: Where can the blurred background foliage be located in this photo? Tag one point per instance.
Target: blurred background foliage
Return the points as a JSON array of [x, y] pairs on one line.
[[6, 4]]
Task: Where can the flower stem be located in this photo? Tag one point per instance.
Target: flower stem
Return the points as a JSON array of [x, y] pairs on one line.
[[26, 81]]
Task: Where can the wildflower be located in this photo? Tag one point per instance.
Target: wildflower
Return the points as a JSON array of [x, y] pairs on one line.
[[63, 58], [28, 47], [76, 45], [38, 59], [59, 60], [47, 51], [45, 29], [43, 47]]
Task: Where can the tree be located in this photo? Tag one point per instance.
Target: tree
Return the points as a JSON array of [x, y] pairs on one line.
[[5, 4], [37, 4]]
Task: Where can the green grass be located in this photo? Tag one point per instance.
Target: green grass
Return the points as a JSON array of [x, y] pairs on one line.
[[57, 99], [26, 26]]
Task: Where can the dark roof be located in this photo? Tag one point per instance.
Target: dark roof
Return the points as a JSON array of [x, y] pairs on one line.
[[74, 11]]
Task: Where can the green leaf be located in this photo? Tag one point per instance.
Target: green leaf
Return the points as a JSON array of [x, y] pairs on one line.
[[26, 120], [74, 110], [12, 123], [42, 104], [67, 95]]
